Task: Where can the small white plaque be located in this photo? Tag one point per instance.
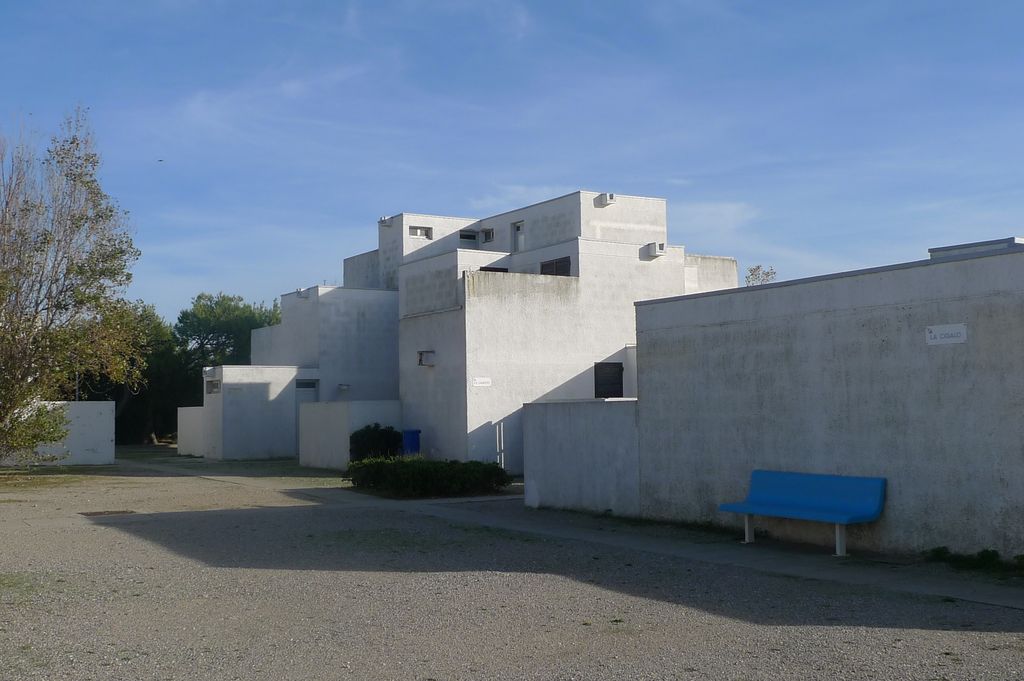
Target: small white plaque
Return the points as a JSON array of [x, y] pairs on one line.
[[945, 334], [482, 382]]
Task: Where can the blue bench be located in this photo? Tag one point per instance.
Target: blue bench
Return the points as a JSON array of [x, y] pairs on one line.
[[839, 499]]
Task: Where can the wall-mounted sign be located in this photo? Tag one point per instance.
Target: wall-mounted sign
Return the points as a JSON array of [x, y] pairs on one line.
[[481, 381], [945, 334]]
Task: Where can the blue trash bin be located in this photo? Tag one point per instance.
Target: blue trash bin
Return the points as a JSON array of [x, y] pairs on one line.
[[410, 442]]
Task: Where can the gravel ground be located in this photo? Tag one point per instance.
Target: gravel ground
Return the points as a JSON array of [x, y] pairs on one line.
[[264, 572]]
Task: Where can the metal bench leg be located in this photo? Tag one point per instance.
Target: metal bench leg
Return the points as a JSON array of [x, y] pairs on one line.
[[748, 529], [840, 540]]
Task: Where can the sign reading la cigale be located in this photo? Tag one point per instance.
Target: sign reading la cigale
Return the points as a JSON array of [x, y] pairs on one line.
[[945, 334]]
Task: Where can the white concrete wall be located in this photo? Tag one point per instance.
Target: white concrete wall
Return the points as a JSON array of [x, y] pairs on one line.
[[323, 435], [352, 333], [548, 222], [434, 397], [295, 341], [362, 271], [532, 337], [191, 431], [630, 220], [325, 428], [255, 413], [358, 344], [582, 456], [835, 376], [90, 435]]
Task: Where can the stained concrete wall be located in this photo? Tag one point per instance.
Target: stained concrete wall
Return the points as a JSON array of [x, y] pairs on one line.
[[90, 435], [362, 271], [191, 431], [350, 335], [434, 397], [582, 456], [253, 416], [325, 428], [358, 331], [836, 375]]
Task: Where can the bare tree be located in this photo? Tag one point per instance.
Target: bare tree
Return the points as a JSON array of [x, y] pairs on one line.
[[65, 258], [758, 275]]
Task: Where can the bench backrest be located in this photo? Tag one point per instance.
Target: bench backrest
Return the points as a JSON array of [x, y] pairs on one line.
[[813, 490]]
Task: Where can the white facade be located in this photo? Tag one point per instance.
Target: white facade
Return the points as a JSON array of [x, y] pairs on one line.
[[90, 438], [464, 320], [910, 372]]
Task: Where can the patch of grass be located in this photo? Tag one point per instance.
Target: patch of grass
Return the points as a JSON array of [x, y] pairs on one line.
[[34, 478], [17, 587]]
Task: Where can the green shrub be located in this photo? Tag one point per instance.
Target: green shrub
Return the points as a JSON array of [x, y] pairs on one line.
[[414, 476], [374, 441]]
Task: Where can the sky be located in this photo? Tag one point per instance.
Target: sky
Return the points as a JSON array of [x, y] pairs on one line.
[[254, 144]]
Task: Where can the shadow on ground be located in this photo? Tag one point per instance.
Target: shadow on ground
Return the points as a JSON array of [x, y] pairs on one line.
[[370, 537]]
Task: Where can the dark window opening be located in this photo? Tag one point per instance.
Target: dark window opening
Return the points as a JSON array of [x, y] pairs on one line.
[[494, 269], [608, 379], [306, 384], [467, 236], [212, 387], [558, 268]]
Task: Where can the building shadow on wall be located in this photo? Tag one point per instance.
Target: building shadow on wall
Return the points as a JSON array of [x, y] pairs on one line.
[[369, 536]]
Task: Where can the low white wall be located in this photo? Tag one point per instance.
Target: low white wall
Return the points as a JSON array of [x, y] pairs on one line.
[[90, 438], [839, 375], [323, 435], [190, 431], [325, 428], [582, 455]]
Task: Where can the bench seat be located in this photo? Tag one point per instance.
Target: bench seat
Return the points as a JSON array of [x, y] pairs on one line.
[[838, 499], [824, 515]]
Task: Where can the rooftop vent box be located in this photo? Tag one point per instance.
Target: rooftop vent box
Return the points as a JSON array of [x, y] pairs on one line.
[[654, 249], [606, 199]]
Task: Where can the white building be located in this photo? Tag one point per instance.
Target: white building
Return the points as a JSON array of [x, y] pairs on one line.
[[911, 372], [463, 321]]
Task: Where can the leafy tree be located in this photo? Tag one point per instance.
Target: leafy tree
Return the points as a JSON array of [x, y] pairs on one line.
[[65, 258], [758, 275], [146, 411], [216, 329]]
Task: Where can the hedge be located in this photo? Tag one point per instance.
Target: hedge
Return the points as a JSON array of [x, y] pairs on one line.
[[414, 476], [374, 441]]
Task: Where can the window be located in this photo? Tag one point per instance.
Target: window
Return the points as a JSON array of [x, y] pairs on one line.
[[608, 379], [212, 387], [518, 237], [421, 232], [494, 269], [467, 236], [425, 358], [306, 384], [488, 235], [558, 268]]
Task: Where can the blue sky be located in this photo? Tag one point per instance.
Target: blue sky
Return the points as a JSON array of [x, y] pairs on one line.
[[812, 136]]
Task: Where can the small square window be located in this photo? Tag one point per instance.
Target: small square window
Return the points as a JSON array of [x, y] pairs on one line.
[[421, 232], [425, 358], [488, 235], [212, 387]]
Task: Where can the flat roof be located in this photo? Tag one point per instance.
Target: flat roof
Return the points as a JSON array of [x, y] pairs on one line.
[[1014, 245]]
